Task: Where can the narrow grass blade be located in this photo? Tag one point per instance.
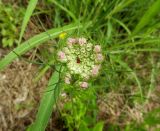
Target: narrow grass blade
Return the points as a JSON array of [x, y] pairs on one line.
[[148, 16], [47, 103], [125, 65], [35, 41], [151, 41], [29, 11], [119, 7], [122, 24], [109, 29], [152, 79], [64, 9]]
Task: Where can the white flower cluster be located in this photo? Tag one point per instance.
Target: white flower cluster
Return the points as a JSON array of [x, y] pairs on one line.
[[82, 58]]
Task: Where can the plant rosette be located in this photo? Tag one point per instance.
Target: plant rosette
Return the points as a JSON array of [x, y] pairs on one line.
[[82, 59]]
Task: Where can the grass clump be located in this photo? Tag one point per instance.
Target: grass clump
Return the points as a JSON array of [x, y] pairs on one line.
[[10, 20]]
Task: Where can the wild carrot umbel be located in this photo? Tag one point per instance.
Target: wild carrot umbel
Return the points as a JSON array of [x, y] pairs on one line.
[[82, 59]]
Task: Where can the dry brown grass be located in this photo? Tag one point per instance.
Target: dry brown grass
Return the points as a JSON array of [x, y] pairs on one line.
[[19, 95]]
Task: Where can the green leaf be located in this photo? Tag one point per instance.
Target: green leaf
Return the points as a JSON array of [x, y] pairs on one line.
[[47, 103], [148, 16], [109, 29], [98, 126], [83, 127], [152, 118], [35, 41], [29, 11], [122, 24]]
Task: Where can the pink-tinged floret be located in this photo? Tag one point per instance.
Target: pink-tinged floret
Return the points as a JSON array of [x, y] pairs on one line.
[[95, 70], [84, 84], [72, 40], [82, 41], [99, 57], [61, 55], [97, 48]]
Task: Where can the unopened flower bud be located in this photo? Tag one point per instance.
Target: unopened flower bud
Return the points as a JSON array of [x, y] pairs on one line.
[[84, 84], [62, 56], [82, 41], [72, 40], [99, 57], [97, 48], [67, 80], [95, 70]]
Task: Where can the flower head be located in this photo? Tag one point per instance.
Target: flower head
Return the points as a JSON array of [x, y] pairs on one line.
[[62, 35], [82, 59]]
